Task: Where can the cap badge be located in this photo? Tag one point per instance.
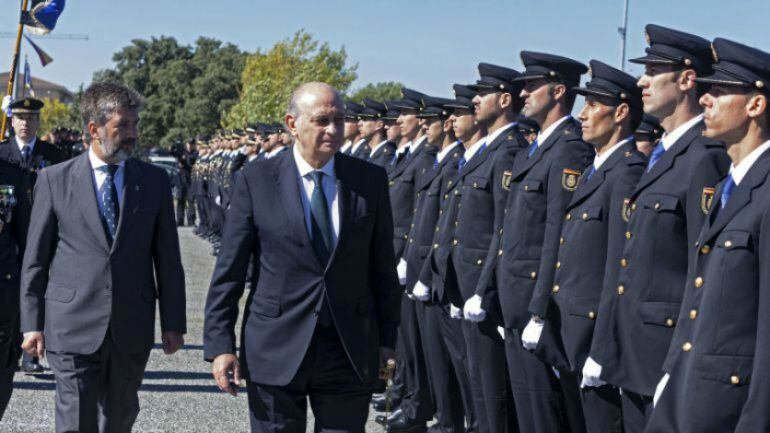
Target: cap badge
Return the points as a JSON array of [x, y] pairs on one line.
[[687, 62], [759, 84], [26, 103]]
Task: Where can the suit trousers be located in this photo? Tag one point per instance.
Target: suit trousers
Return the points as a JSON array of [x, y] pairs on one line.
[[416, 401], [636, 409], [602, 409], [536, 389], [446, 359], [10, 351], [338, 397], [97, 392], [201, 202], [487, 372]]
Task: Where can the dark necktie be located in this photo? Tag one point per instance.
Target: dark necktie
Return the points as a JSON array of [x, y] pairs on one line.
[[727, 190], [532, 149], [111, 207], [322, 236], [657, 153], [25, 152]]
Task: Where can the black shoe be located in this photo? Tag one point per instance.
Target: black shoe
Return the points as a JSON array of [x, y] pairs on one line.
[[32, 368], [381, 404], [398, 422]]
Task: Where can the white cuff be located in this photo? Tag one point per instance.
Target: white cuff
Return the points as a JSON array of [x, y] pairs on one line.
[[659, 389], [532, 333], [401, 270], [501, 331], [455, 312], [421, 291], [592, 371], [472, 310]]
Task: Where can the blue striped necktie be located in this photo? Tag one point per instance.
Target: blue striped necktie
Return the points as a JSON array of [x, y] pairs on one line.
[[727, 190], [657, 153], [532, 149], [110, 208]]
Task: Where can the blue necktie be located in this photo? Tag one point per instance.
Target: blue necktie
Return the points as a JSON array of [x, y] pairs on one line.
[[727, 190], [591, 173], [461, 163], [322, 236], [435, 163], [532, 149], [110, 208], [657, 153]]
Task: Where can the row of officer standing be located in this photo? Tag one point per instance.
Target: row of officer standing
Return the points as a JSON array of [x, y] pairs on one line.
[[597, 277]]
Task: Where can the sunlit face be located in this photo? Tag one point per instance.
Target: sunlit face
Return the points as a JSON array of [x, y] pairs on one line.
[[319, 125], [393, 131], [464, 124], [538, 99], [26, 125], [660, 89], [597, 120], [435, 130], [486, 106], [367, 127], [115, 141], [351, 129], [725, 112], [409, 123]]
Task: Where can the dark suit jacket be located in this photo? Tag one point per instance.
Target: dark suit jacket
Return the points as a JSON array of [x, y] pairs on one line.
[[266, 219], [597, 210], [523, 251], [722, 382], [75, 286], [634, 329], [44, 154]]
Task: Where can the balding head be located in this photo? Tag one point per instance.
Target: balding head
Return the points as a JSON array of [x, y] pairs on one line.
[[315, 119]]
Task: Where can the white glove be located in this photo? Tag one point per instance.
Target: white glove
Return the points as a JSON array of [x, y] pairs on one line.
[[6, 105], [218, 200], [401, 270], [421, 292], [659, 389], [472, 310], [532, 332], [501, 331], [455, 312], [591, 373]]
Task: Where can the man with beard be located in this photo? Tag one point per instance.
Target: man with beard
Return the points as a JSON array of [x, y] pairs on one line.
[[103, 250], [719, 355], [372, 129], [666, 211], [522, 253]]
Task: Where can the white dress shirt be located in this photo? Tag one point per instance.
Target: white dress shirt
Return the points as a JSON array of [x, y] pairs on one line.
[[668, 140], [274, 152], [329, 185], [445, 151], [377, 147], [601, 159], [543, 135], [496, 133], [357, 145], [100, 175], [740, 171], [31, 144], [473, 149]]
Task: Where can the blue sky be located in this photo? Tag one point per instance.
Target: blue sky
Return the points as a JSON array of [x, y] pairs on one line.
[[425, 44]]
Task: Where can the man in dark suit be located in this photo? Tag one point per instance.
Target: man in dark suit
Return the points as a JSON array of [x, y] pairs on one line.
[[666, 211], [523, 251], [372, 129], [720, 351], [104, 250], [32, 154], [14, 220], [612, 111], [323, 315]]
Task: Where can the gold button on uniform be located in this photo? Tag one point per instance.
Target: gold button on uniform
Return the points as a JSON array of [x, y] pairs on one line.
[[454, 242], [7, 276], [735, 380], [728, 244], [479, 262], [687, 346], [526, 187], [532, 275], [435, 246], [411, 241], [623, 263], [621, 290], [585, 216], [558, 265], [501, 231], [670, 322], [591, 315], [561, 241], [693, 314], [633, 207], [657, 206], [628, 235], [499, 253], [698, 282], [705, 249], [568, 217], [555, 288]]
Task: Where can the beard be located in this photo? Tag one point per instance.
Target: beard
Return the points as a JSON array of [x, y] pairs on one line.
[[116, 151]]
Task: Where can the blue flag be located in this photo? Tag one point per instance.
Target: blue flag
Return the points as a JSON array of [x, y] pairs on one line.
[[28, 79], [42, 18]]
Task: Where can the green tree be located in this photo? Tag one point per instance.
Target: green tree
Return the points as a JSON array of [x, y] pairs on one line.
[[378, 91], [56, 114], [269, 78]]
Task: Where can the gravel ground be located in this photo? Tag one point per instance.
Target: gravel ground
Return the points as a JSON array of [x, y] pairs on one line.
[[178, 393]]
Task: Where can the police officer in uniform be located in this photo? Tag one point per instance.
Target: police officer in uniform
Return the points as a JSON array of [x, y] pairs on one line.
[[372, 129], [647, 134], [14, 220], [666, 210], [523, 251], [720, 351], [528, 128], [352, 135], [612, 111]]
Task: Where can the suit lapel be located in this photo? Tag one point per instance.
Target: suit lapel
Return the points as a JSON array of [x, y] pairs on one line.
[[344, 199], [669, 157], [14, 154], [598, 178], [288, 186], [524, 164], [132, 187], [83, 197]]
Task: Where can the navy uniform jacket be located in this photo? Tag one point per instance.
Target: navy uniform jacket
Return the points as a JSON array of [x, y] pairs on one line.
[[362, 152], [720, 353], [430, 192], [584, 254], [266, 219], [44, 154], [402, 191], [384, 155], [523, 252], [474, 210], [644, 294], [14, 221]]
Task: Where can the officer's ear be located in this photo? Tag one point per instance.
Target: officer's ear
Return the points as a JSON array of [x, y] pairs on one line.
[[291, 124], [93, 130], [379, 125], [622, 112], [558, 91], [686, 80], [505, 100], [756, 107]]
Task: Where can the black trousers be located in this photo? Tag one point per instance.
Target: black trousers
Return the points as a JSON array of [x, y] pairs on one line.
[[602, 409], [338, 398], [447, 362], [216, 218], [487, 373], [185, 207], [636, 409], [201, 202], [416, 399], [10, 343], [97, 392]]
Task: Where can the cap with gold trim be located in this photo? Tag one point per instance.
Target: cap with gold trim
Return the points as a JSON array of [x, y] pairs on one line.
[[674, 47], [26, 105], [739, 65]]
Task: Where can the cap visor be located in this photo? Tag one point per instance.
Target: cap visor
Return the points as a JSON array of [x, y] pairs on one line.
[[651, 58]]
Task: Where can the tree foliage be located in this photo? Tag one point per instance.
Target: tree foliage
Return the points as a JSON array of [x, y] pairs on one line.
[[187, 88], [269, 78], [384, 91], [57, 114]]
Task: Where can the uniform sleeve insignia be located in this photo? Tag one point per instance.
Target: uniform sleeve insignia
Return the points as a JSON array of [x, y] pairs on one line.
[[569, 179], [706, 198], [626, 211], [507, 177]]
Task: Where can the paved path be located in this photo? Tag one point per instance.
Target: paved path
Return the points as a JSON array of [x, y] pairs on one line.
[[178, 393]]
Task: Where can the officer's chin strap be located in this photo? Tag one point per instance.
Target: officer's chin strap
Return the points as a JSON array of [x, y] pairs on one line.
[[387, 375]]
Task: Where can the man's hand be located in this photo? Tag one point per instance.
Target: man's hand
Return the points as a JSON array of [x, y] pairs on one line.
[[421, 292], [386, 355], [592, 372], [34, 344], [472, 309], [223, 368], [532, 333], [659, 389], [401, 271], [172, 341]]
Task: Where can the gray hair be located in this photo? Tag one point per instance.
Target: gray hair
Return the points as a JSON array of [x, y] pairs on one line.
[[101, 100], [293, 108]]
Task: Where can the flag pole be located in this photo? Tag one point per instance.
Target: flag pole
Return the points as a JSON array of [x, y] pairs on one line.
[[14, 66]]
